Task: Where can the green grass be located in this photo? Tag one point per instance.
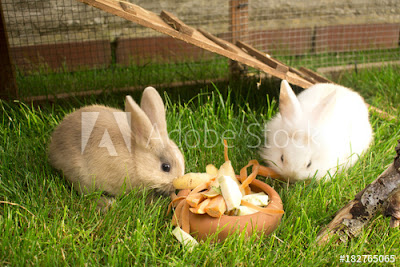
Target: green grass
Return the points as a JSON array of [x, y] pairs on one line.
[[45, 81], [44, 222]]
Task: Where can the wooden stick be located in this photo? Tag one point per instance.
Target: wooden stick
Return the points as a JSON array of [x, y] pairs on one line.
[[263, 57], [315, 75], [176, 23], [303, 75], [222, 43], [128, 7]]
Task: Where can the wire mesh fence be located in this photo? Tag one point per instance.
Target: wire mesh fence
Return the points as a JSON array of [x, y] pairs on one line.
[[326, 33], [54, 37]]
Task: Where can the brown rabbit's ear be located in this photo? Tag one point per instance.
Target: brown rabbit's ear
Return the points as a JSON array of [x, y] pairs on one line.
[[289, 106], [140, 124], [153, 106]]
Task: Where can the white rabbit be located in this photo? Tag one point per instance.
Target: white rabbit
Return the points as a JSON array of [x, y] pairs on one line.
[[324, 129], [105, 149]]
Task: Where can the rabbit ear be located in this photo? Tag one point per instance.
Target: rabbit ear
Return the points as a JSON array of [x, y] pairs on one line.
[[153, 106], [289, 106], [323, 110], [140, 123]]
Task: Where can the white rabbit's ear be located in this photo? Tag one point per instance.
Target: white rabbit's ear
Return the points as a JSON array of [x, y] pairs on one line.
[[324, 109], [153, 106], [289, 106], [140, 124]]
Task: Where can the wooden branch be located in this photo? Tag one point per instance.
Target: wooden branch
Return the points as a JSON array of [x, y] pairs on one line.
[[380, 194], [393, 209]]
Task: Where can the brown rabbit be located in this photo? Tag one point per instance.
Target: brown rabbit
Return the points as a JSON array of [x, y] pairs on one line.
[[105, 149]]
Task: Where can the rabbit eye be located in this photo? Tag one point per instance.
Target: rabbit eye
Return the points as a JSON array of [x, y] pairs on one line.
[[165, 167], [282, 158], [309, 164]]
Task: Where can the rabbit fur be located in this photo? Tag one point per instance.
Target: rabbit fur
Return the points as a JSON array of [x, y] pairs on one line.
[[323, 130], [100, 148]]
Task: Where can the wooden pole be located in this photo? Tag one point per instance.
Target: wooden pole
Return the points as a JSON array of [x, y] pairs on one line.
[[239, 18], [8, 84]]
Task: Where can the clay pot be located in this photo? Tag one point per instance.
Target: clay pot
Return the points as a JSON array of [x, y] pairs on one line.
[[203, 225]]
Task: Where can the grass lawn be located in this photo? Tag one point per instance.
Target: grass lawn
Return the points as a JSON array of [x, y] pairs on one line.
[[44, 222]]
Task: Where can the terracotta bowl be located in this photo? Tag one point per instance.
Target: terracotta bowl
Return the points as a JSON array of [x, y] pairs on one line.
[[202, 226]]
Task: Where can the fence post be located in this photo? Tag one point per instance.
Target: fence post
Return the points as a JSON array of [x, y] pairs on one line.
[[239, 18], [8, 84]]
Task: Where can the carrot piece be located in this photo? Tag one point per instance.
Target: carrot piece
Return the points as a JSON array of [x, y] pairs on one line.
[[185, 218], [216, 207], [173, 204], [226, 150], [176, 218], [268, 172], [200, 208], [194, 199], [261, 209], [173, 196], [184, 192], [243, 173]]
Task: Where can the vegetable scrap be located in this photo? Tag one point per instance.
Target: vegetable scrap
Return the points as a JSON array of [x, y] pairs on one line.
[[217, 192]]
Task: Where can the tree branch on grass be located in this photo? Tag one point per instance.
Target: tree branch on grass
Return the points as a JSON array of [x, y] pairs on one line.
[[382, 195]]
